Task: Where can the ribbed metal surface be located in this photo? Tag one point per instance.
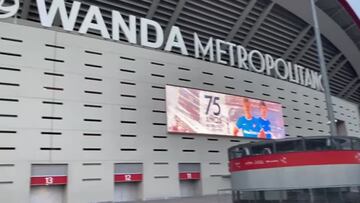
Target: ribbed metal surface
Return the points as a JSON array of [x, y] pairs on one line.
[[339, 14], [275, 32]]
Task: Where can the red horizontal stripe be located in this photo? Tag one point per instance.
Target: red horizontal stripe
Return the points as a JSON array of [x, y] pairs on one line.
[[293, 159], [189, 176], [48, 180], [120, 178]]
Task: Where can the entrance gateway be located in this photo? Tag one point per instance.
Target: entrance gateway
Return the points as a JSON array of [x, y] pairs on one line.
[[128, 179], [48, 183], [190, 179]]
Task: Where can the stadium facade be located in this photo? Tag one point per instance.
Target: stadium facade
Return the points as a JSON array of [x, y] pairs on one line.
[[82, 90]]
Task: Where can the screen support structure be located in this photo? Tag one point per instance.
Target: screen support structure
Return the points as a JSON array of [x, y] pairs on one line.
[[323, 70]]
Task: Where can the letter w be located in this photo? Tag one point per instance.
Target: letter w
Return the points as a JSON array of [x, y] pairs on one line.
[[47, 18]]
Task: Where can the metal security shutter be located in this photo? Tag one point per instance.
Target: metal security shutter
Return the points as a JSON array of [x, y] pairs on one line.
[[128, 178], [126, 192], [128, 168], [48, 183], [46, 194], [190, 179], [48, 170], [189, 167]]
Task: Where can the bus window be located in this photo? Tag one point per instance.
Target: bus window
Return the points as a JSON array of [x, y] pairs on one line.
[[240, 152], [289, 146], [356, 144], [232, 152], [342, 143], [317, 144], [260, 149]]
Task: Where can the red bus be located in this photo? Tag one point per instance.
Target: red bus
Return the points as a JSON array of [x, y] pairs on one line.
[[316, 169]]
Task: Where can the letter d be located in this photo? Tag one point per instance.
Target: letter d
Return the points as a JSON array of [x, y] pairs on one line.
[[144, 29]]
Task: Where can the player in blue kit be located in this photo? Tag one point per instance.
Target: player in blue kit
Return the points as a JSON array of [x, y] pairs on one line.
[[263, 122], [247, 123]]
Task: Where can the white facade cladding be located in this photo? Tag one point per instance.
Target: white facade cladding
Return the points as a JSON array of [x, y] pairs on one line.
[[226, 53], [92, 103]]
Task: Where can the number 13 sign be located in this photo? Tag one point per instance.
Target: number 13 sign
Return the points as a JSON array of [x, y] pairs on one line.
[[48, 180]]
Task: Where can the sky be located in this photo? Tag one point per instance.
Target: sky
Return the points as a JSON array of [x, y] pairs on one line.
[[355, 4]]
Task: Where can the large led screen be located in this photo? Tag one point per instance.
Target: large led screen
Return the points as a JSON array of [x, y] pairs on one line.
[[202, 112]]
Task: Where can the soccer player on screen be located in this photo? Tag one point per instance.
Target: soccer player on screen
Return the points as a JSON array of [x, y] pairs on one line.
[[247, 123], [264, 123]]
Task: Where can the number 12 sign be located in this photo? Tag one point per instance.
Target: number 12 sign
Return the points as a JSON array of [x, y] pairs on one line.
[[204, 112]]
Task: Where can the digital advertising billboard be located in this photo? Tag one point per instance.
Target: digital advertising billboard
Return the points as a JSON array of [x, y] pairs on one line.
[[194, 111]]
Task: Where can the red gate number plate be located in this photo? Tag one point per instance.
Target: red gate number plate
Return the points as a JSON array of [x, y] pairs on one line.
[[189, 176], [48, 180], [120, 178]]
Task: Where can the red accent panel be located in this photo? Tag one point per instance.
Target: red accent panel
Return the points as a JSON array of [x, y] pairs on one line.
[[121, 178], [189, 176], [48, 180], [351, 11], [292, 159]]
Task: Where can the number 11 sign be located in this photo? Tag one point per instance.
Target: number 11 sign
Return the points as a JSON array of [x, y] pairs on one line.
[[204, 112]]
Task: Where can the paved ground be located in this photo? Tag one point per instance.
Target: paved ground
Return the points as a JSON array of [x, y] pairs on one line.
[[202, 199]]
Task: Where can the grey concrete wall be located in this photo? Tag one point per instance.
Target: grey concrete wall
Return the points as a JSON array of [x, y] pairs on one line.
[[219, 198], [27, 83]]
